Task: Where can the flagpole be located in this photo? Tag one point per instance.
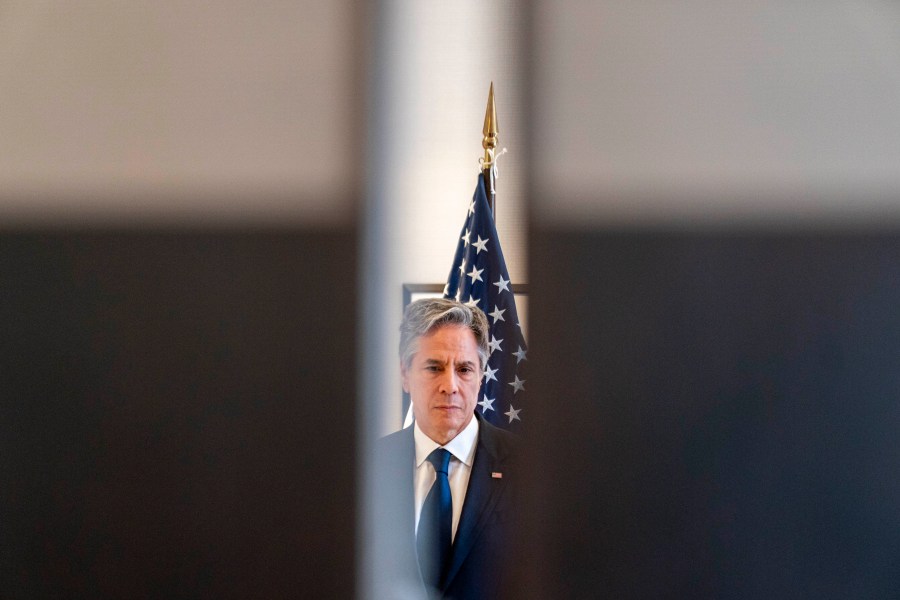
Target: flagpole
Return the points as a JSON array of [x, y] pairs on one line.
[[489, 143]]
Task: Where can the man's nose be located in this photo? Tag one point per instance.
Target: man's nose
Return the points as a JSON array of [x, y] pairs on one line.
[[450, 382]]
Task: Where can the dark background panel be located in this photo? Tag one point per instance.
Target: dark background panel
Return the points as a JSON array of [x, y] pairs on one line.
[[178, 414], [718, 415]]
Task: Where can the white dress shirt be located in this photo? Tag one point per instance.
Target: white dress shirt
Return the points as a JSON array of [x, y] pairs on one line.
[[462, 450]]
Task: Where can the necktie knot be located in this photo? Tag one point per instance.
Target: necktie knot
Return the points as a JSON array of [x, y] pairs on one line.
[[440, 460]]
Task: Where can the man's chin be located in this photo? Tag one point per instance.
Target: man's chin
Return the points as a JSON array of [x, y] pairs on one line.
[[451, 425]]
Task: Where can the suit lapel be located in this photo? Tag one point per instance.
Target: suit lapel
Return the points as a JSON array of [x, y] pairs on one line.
[[481, 497]]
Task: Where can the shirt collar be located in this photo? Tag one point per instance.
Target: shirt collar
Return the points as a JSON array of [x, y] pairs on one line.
[[462, 446]]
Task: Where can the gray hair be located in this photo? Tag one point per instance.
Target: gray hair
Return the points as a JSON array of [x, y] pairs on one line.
[[424, 316]]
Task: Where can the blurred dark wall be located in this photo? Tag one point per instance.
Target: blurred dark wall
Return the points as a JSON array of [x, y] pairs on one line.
[[178, 414], [719, 415]]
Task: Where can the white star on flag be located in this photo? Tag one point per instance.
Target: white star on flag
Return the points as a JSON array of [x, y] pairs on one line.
[[513, 414], [494, 344], [503, 284], [489, 374], [465, 237], [497, 314], [481, 244], [520, 355], [473, 302], [486, 404], [518, 384], [475, 274]]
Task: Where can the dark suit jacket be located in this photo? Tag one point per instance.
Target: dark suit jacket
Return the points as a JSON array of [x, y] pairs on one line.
[[483, 535]]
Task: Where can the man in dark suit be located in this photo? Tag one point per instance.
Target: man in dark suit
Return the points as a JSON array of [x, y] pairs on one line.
[[452, 472]]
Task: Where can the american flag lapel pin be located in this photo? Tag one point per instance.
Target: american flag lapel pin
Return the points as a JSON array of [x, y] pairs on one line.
[[496, 475]]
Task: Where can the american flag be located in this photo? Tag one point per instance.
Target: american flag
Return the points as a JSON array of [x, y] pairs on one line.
[[479, 278]]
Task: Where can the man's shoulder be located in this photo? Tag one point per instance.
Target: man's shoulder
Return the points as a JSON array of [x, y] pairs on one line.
[[502, 441], [499, 433]]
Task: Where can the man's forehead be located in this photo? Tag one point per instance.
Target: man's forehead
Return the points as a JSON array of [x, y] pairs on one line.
[[451, 333], [440, 343]]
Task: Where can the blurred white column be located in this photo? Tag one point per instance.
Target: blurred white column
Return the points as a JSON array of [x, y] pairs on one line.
[[432, 66]]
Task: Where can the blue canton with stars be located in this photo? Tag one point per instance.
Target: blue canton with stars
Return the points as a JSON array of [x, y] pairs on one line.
[[479, 278]]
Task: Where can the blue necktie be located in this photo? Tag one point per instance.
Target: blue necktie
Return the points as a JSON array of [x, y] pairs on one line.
[[436, 522]]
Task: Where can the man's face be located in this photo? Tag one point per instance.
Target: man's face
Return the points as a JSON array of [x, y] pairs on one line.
[[443, 381]]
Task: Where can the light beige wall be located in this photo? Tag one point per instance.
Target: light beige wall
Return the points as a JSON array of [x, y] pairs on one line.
[[147, 111], [699, 111]]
